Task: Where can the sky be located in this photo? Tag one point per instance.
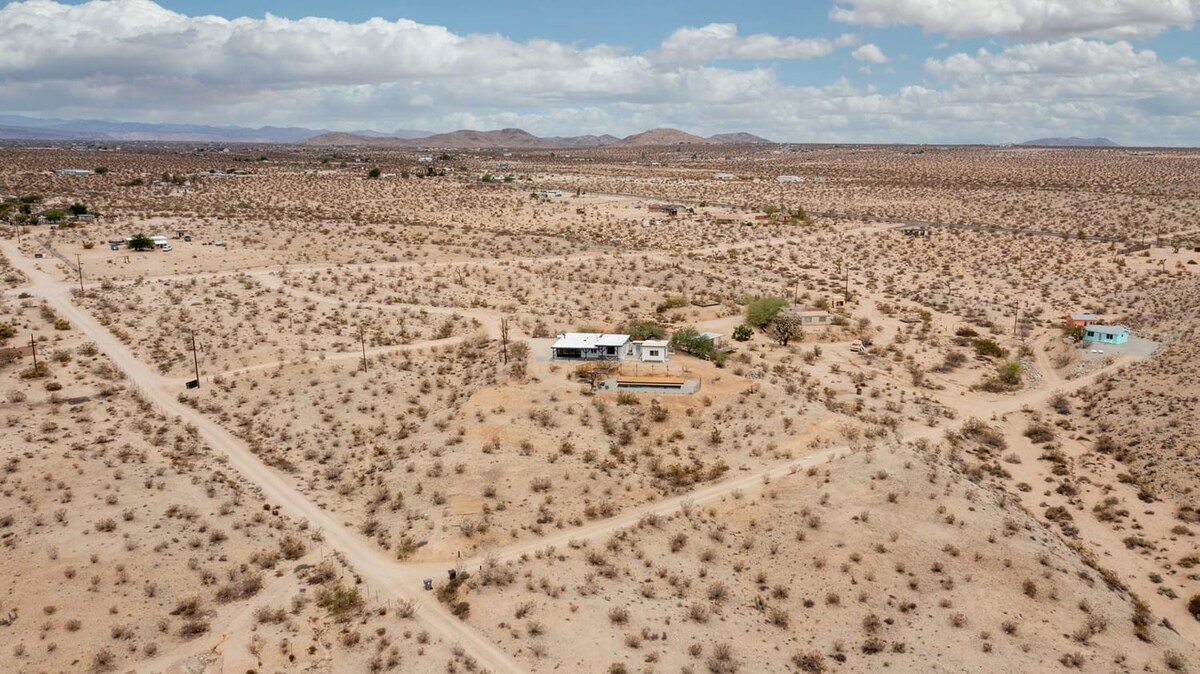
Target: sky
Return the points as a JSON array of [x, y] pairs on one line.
[[900, 71]]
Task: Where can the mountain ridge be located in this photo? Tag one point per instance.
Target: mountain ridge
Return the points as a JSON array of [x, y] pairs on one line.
[[1072, 141], [520, 139]]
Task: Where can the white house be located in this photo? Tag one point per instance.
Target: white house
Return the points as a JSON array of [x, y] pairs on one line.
[[547, 194], [791, 179], [591, 346], [724, 176]]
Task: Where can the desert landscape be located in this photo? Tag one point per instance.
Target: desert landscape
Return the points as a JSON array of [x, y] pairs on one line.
[[343, 414]]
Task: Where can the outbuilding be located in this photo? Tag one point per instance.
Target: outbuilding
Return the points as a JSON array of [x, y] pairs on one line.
[[1106, 334], [1081, 320], [651, 350]]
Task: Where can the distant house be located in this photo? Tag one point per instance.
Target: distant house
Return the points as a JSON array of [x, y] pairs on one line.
[[1081, 320], [1106, 334], [814, 318], [916, 231], [724, 176], [672, 210], [75, 172], [836, 301], [715, 337], [791, 179], [591, 346], [548, 194]]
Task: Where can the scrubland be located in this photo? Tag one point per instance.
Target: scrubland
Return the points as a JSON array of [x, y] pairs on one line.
[[940, 478]]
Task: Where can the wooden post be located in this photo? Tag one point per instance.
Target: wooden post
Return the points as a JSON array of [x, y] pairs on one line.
[[79, 268], [363, 341], [504, 339], [195, 359], [33, 350]]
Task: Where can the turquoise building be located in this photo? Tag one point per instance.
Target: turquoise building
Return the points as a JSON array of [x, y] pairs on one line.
[[1106, 334]]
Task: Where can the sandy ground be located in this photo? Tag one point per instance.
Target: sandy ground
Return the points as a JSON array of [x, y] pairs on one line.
[[811, 508]]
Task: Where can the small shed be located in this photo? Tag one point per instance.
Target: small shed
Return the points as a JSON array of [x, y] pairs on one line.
[[1106, 334], [814, 318], [651, 350], [714, 337]]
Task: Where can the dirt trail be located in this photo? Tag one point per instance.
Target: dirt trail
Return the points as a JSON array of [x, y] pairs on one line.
[[379, 571]]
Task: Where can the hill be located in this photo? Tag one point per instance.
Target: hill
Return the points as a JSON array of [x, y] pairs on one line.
[[520, 139], [742, 138], [662, 137], [1072, 142]]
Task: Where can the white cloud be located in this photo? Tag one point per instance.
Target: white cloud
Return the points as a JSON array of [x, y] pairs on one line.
[[133, 60], [869, 53], [721, 41], [1024, 19]]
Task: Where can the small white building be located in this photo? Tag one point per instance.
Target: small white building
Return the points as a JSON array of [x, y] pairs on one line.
[[714, 337], [724, 176], [548, 194], [814, 318], [652, 350], [791, 179]]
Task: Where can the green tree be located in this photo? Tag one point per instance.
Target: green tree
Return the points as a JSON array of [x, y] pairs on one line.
[[785, 327], [101, 170], [54, 215], [690, 341], [7, 332], [374, 174], [642, 329], [78, 209], [141, 242], [743, 332], [760, 312]]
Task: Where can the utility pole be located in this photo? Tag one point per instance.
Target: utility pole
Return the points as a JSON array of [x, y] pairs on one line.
[[79, 268], [33, 350], [195, 359], [504, 339], [1016, 317], [362, 339]]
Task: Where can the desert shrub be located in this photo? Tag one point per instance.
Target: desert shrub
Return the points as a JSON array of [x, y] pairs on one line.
[[340, 601], [1039, 433], [989, 348], [193, 628], [291, 547], [811, 662], [1193, 606]]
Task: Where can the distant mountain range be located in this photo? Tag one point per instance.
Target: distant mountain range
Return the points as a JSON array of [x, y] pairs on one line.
[[1072, 142], [17, 127], [523, 140]]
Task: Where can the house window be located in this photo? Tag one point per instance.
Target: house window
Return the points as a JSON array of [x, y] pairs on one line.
[[653, 353]]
